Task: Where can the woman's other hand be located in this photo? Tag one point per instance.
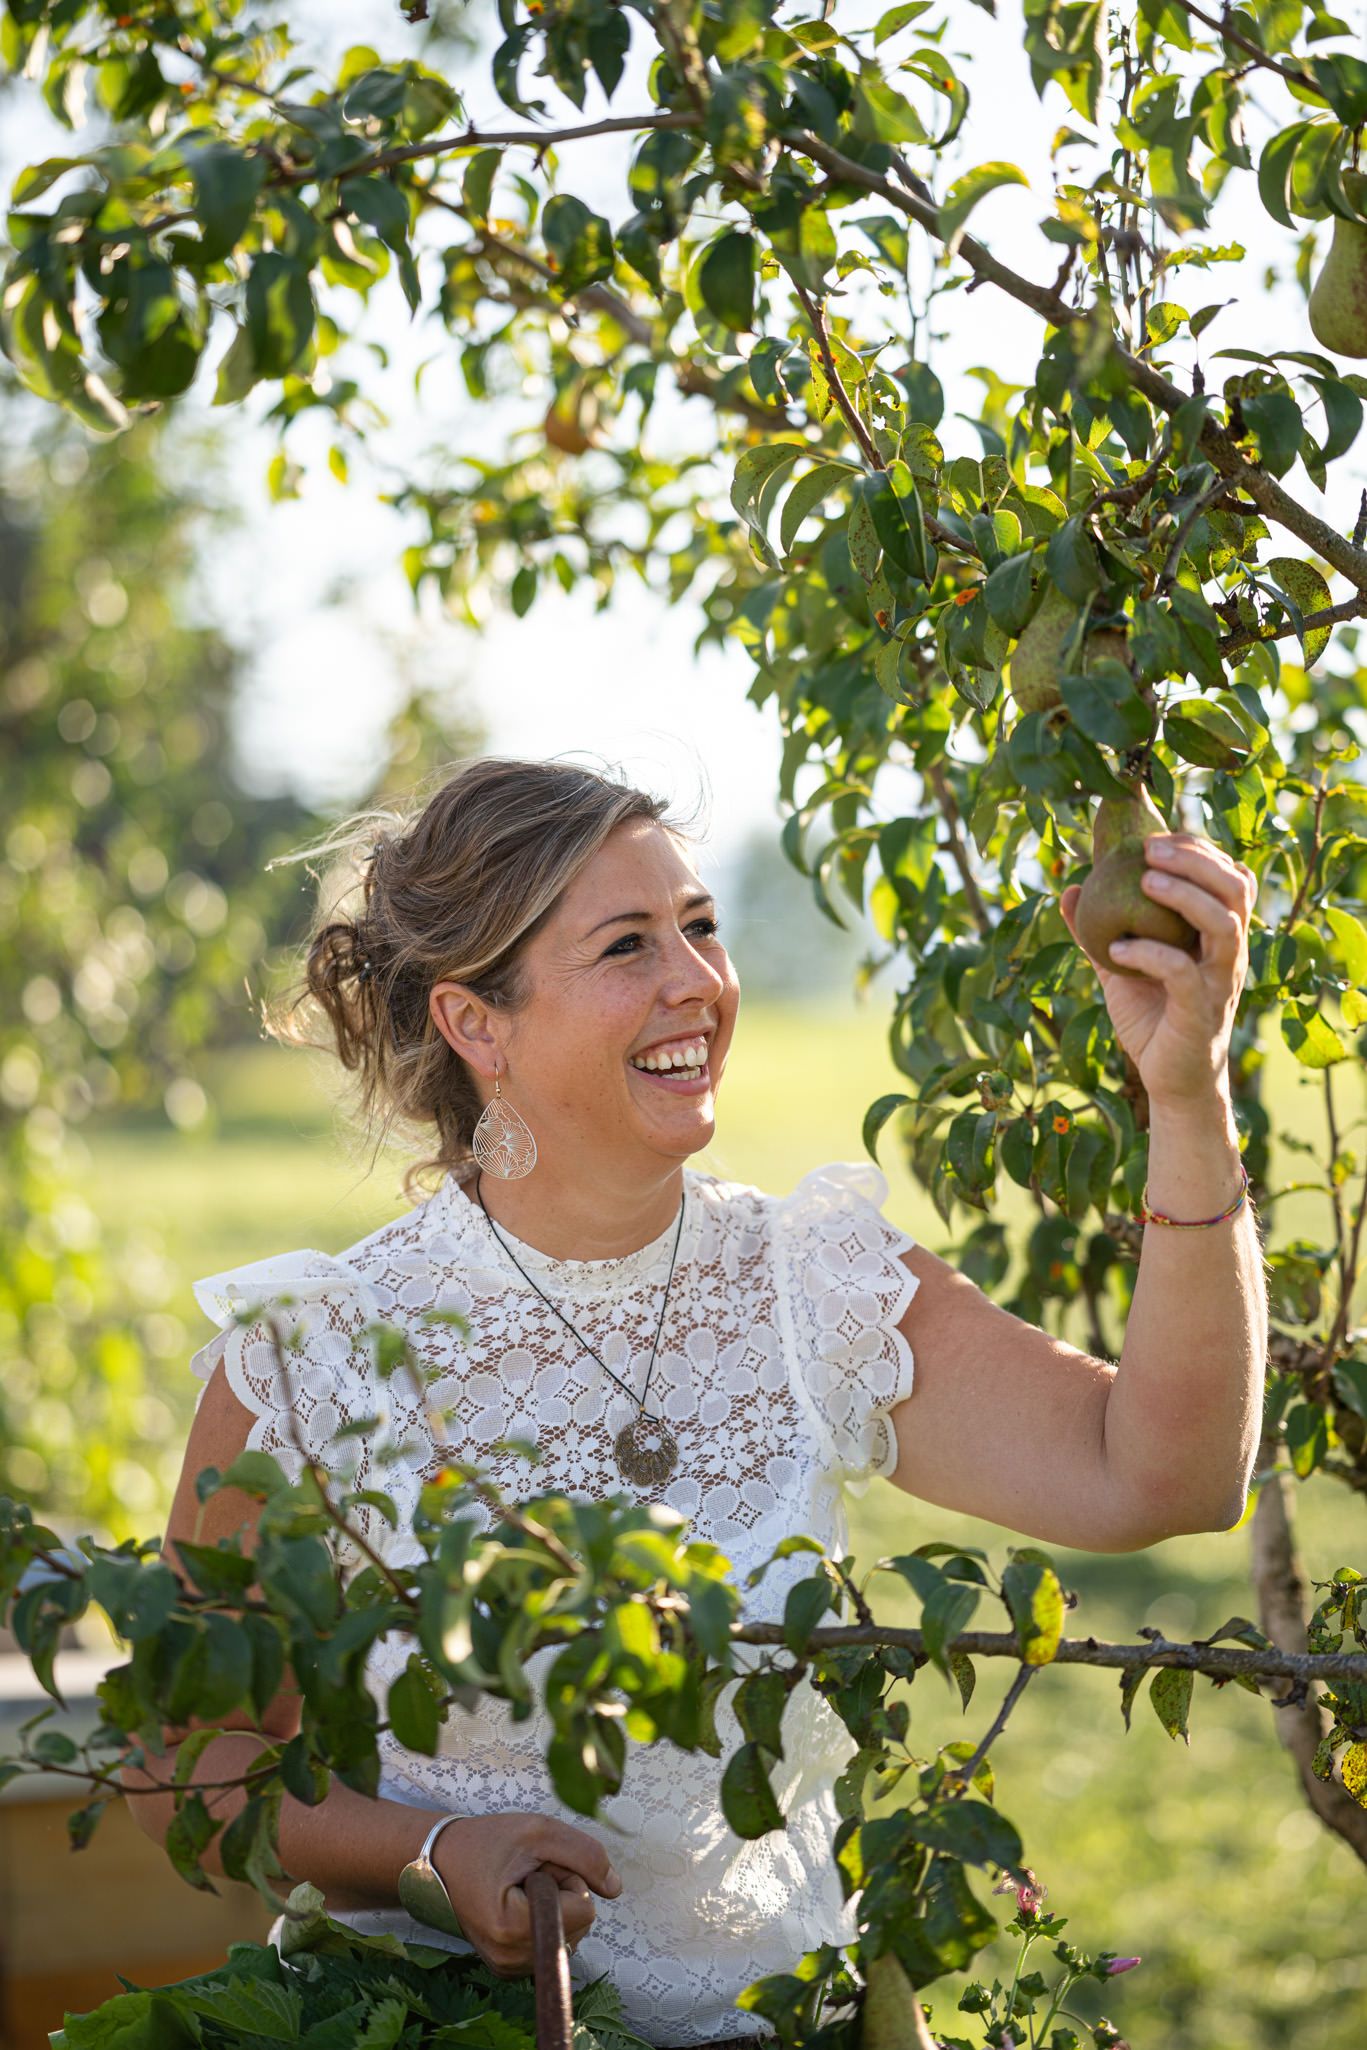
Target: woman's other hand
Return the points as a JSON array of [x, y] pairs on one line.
[[483, 1861], [1175, 1017]]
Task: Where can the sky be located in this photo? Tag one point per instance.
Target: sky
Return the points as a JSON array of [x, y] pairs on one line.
[[313, 587]]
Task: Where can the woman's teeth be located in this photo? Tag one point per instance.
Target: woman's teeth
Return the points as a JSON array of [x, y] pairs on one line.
[[686, 1060]]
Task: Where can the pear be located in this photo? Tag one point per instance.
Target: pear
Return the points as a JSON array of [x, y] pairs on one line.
[[1338, 302], [1038, 657], [892, 2018], [1112, 903]]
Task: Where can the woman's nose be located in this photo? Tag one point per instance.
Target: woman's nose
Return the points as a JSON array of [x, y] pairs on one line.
[[690, 973]]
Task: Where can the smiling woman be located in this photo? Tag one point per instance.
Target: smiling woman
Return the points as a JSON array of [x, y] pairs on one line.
[[532, 972]]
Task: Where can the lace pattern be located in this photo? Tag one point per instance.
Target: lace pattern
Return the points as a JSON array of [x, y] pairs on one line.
[[778, 1363]]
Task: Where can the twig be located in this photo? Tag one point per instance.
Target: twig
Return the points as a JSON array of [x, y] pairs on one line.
[[1330, 615], [1188, 521], [833, 378], [949, 807], [1260, 57], [1013, 1695]]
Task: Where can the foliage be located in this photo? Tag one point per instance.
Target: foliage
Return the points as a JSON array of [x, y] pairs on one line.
[[789, 181], [643, 1623], [327, 1986]]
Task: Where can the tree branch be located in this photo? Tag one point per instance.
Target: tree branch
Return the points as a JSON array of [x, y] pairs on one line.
[[1218, 1661], [1215, 441], [1330, 615]]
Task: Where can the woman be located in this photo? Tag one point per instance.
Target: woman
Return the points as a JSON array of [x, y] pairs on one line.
[[537, 976]]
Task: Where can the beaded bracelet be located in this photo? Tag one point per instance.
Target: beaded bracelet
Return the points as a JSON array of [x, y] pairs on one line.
[[1148, 1216]]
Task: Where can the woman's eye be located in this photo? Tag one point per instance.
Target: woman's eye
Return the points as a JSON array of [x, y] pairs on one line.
[[628, 941]]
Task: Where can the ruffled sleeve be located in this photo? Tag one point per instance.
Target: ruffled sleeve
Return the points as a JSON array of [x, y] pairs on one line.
[[323, 1375], [842, 1291]]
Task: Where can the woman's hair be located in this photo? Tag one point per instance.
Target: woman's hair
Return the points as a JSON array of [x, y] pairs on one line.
[[447, 890]]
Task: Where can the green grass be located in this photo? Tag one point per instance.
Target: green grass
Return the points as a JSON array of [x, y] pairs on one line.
[[1202, 1859]]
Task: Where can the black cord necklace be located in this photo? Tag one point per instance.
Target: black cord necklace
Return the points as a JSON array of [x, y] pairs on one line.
[[647, 1450]]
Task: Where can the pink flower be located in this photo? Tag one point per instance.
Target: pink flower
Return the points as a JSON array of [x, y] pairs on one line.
[[1122, 1964], [1028, 1897]]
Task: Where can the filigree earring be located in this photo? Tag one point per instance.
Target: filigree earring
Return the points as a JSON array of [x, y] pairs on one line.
[[502, 1141]]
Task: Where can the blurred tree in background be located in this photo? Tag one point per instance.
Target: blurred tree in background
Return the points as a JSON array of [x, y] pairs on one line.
[[135, 908]]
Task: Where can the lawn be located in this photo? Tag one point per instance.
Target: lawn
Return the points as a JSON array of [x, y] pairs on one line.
[[1204, 1859]]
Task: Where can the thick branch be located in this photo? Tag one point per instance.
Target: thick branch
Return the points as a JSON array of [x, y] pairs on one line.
[[1216, 443]]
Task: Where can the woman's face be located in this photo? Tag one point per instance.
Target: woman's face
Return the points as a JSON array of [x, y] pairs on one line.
[[628, 969]]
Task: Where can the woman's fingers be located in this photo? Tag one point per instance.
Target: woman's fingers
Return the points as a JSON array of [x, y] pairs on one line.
[[1221, 923]]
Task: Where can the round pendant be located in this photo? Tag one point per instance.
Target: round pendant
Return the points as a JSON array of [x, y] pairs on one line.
[[647, 1452]]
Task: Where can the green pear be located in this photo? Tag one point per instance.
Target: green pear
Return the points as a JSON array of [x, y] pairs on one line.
[[1037, 660], [1113, 904], [892, 2018], [1338, 302]]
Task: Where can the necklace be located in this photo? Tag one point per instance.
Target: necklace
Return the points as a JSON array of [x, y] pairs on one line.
[[646, 1449]]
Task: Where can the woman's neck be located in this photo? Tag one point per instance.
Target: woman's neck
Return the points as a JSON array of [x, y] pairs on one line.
[[579, 1219]]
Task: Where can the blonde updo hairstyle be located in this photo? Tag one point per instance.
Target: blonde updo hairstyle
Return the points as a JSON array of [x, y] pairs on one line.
[[451, 890]]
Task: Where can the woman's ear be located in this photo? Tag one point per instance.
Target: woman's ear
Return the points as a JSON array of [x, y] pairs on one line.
[[468, 1025]]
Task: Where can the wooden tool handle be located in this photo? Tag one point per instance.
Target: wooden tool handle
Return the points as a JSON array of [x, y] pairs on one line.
[[550, 1963]]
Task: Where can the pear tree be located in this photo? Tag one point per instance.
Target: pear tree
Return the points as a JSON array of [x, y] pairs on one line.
[[1134, 577]]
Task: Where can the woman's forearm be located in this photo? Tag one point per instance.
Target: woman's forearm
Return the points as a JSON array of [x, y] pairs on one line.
[[1183, 1415], [351, 1846]]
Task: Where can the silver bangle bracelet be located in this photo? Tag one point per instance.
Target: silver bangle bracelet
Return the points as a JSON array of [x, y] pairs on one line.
[[422, 1890]]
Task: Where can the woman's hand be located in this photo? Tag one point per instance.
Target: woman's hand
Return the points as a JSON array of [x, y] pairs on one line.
[[483, 1860], [1174, 1019]]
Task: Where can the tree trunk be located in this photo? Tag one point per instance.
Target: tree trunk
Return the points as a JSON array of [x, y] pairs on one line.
[[1280, 1585]]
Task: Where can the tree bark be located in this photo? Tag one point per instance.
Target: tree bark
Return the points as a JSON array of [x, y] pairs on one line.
[[1280, 1584]]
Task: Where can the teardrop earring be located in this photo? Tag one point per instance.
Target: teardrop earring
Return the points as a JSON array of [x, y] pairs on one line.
[[502, 1141]]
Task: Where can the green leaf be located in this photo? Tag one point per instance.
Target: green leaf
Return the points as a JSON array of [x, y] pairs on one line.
[[227, 184], [1274, 172], [1276, 421], [965, 193], [280, 312], [807, 494], [1311, 1038], [1308, 592], [1350, 1384], [967, 1830], [726, 279], [1071, 562], [477, 184], [1207, 734], [1034, 1596], [1170, 1694], [413, 1712], [578, 243], [807, 1601], [1351, 936], [1106, 707], [877, 1115], [754, 471], [1007, 592], [747, 1798], [1307, 1437]]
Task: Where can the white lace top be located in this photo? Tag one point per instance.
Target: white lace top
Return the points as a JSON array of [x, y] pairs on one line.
[[778, 1363]]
